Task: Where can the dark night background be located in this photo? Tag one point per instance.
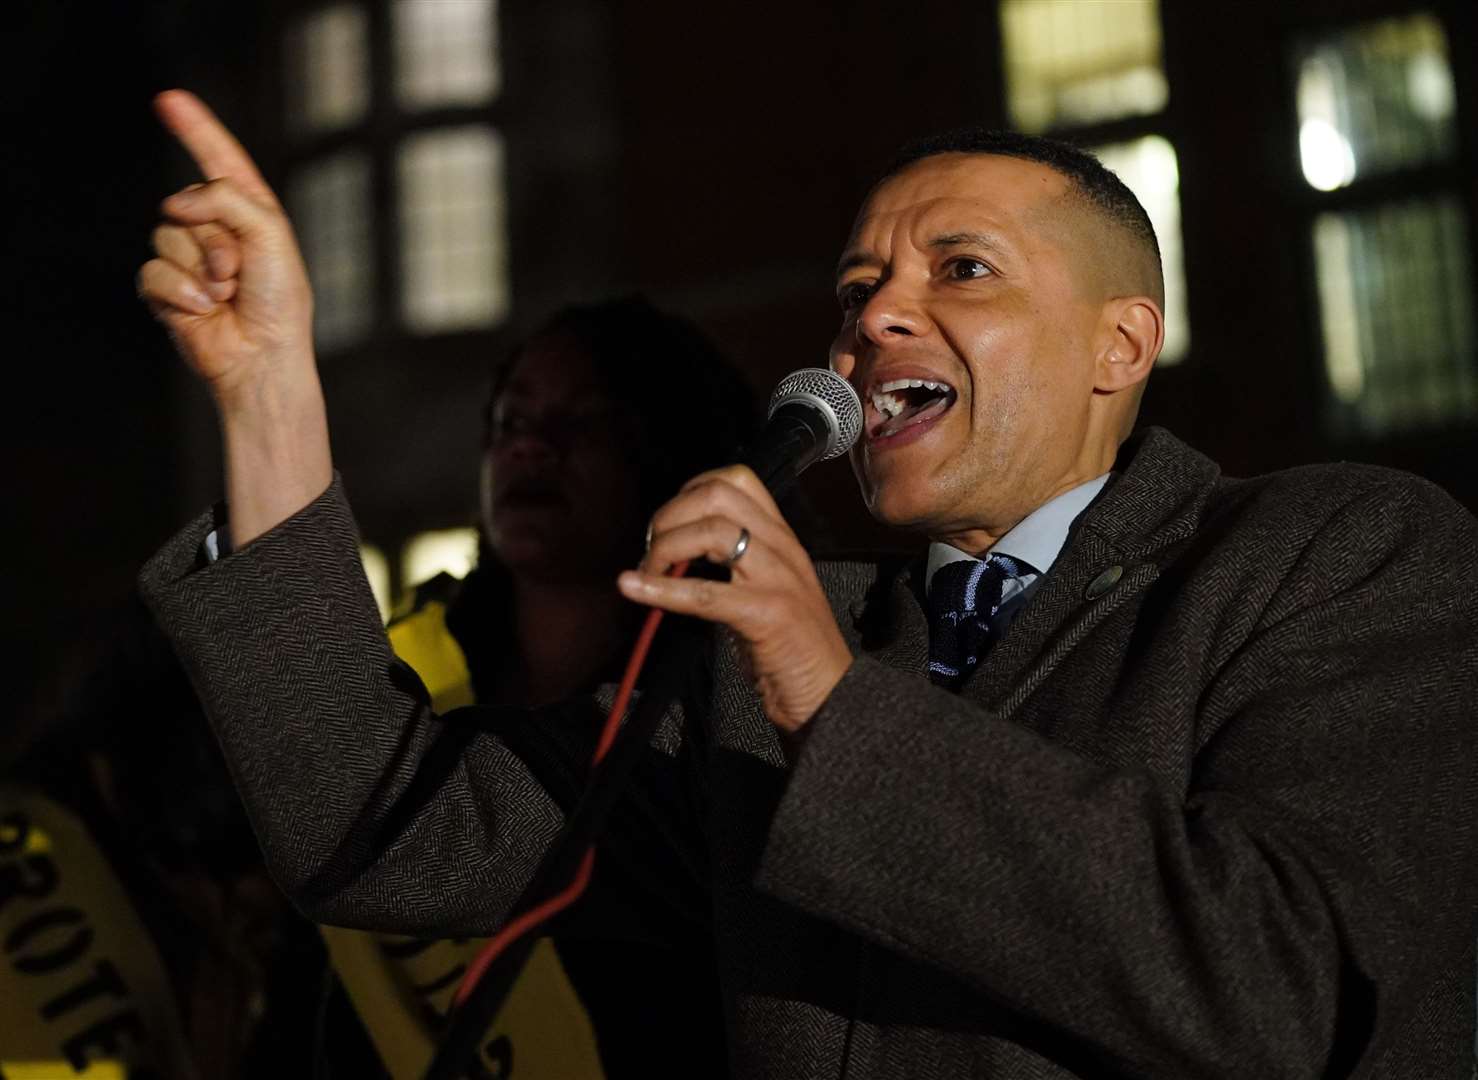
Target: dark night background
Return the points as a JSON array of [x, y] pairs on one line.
[[709, 155]]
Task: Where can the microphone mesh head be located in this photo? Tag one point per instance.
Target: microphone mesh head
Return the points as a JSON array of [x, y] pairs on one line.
[[833, 396]]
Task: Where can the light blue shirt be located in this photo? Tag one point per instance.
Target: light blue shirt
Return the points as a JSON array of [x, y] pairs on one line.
[[1035, 543]]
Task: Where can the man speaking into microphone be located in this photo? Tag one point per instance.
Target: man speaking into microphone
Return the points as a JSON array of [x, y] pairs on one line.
[[1135, 770]]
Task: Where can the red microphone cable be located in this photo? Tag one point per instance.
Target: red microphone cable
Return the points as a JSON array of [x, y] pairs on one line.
[[547, 909]]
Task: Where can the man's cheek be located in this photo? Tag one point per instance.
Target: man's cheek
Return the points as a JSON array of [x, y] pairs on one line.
[[843, 362]]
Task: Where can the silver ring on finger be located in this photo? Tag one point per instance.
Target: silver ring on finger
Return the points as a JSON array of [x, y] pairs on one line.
[[740, 547]]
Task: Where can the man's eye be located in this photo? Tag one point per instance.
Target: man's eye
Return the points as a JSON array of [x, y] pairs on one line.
[[965, 268], [854, 294]]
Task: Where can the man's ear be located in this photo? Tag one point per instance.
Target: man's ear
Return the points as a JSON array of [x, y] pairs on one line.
[[1132, 331]]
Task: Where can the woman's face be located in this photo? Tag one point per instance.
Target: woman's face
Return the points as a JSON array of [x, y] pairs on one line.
[[561, 494]]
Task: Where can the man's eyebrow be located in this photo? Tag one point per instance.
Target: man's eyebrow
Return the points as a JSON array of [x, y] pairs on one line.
[[853, 258], [945, 240], [964, 239]]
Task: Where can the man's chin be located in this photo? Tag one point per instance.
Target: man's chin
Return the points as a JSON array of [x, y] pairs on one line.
[[898, 492], [898, 507]]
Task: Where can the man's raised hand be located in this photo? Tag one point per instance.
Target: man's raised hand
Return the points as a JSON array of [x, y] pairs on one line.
[[227, 281], [229, 284]]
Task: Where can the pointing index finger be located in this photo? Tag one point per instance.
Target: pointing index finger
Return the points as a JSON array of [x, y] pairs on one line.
[[213, 147]]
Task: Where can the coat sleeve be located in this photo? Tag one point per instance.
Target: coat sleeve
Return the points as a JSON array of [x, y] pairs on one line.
[[1278, 915], [371, 810]]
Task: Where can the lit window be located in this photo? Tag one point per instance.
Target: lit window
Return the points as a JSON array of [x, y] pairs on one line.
[[328, 70], [377, 569], [1395, 292], [330, 201], [1148, 168], [1075, 62], [1374, 98], [450, 551], [446, 52], [452, 222]]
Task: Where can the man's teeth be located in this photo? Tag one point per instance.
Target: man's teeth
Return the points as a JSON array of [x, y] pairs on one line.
[[886, 400], [905, 384]]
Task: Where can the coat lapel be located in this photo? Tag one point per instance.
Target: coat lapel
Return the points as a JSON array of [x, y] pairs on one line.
[[1057, 620], [1114, 551]]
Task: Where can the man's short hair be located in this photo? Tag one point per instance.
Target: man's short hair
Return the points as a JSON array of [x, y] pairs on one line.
[[1090, 179]]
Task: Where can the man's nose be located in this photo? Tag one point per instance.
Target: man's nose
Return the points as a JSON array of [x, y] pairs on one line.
[[892, 312]]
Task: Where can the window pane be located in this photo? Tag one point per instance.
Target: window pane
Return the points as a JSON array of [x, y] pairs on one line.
[[446, 52], [1372, 99], [330, 201], [1081, 61], [1395, 295], [377, 569], [449, 551], [1148, 168], [327, 70], [455, 272]]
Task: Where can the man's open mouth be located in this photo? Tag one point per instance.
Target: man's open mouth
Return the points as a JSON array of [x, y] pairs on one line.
[[903, 403]]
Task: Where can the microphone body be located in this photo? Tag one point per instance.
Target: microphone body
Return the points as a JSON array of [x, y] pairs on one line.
[[814, 415]]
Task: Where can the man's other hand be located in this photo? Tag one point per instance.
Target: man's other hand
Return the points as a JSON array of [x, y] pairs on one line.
[[773, 603]]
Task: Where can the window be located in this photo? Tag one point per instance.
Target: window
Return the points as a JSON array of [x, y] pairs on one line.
[[1375, 112], [1374, 100], [1395, 293], [328, 70], [1080, 70], [451, 211], [1070, 62], [446, 53], [411, 133], [330, 204]]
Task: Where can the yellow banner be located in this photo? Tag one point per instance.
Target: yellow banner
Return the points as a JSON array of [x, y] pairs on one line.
[[81, 986]]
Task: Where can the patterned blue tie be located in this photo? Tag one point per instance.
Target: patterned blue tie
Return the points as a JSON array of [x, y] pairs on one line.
[[964, 597]]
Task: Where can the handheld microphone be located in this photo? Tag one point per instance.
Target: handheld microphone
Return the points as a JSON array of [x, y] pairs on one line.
[[814, 415]]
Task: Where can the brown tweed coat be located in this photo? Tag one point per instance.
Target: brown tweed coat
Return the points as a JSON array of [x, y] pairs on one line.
[[1210, 809]]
